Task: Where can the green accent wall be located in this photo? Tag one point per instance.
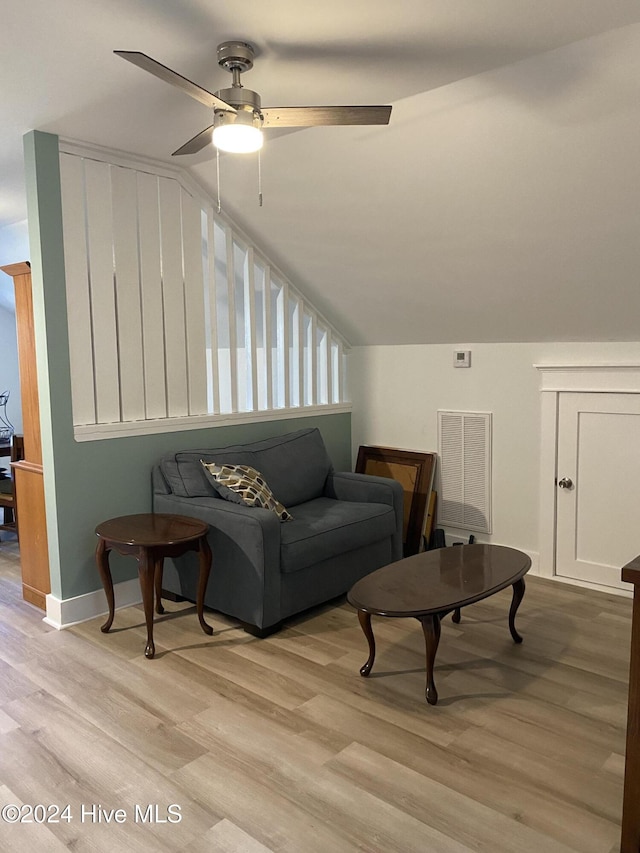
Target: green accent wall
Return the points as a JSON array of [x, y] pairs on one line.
[[89, 482]]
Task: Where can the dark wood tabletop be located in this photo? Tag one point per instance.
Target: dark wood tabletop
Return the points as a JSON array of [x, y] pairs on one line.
[[439, 580], [150, 529]]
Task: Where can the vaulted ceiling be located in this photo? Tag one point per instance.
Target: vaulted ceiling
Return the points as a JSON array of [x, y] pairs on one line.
[[500, 204]]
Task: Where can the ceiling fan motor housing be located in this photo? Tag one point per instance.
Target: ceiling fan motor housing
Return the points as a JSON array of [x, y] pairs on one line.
[[236, 55], [240, 98]]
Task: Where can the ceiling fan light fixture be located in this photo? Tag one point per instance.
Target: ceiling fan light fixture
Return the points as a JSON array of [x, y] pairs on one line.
[[237, 138], [238, 133]]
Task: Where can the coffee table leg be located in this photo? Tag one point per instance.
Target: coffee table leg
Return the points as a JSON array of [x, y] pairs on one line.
[[204, 556], [146, 571], [456, 616], [431, 629], [365, 623], [102, 560], [518, 595]]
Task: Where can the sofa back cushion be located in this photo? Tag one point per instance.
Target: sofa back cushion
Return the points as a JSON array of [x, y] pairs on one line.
[[295, 466], [185, 475]]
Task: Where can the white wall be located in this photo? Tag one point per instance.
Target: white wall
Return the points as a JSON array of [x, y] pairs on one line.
[[397, 390], [9, 374], [14, 247]]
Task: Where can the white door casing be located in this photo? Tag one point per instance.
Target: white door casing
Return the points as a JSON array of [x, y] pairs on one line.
[[588, 532]]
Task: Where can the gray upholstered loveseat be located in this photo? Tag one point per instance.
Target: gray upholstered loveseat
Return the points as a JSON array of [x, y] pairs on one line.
[[344, 526]]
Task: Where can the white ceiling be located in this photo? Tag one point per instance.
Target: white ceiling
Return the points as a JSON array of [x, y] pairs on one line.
[[502, 203]]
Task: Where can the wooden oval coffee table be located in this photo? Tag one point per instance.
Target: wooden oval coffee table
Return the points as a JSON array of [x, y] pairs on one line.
[[432, 584], [150, 538]]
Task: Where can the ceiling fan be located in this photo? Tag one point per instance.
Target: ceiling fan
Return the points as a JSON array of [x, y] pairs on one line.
[[238, 117]]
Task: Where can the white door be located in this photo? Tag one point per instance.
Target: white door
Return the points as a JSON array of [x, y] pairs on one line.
[[598, 493]]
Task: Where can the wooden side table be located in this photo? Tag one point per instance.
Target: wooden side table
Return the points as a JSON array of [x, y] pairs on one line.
[[150, 538]]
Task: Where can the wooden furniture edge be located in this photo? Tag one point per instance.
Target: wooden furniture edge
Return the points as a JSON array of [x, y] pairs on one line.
[[21, 268], [630, 841], [29, 467], [631, 572], [34, 596]]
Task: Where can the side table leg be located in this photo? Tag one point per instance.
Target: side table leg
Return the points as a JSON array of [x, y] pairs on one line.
[[204, 557], [157, 577], [365, 624], [102, 561], [146, 568], [518, 595], [431, 629]]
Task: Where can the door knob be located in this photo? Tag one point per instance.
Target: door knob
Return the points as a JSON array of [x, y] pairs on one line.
[[565, 483]]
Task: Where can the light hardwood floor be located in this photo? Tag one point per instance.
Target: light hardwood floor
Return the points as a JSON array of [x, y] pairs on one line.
[[279, 744]]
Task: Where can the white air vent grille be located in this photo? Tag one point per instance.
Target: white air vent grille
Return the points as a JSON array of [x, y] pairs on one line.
[[464, 447]]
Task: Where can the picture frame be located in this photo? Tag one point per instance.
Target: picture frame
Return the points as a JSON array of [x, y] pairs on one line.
[[414, 470]]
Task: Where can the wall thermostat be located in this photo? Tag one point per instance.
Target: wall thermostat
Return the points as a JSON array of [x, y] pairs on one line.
[[462, 358]]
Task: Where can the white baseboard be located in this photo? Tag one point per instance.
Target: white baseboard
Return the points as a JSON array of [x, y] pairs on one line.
[[63, 613], [598, 587]]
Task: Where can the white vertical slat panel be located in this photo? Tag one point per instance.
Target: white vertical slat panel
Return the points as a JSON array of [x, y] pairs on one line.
[[324, 367], [233, 342], [314, 360], [250, 306], [344, 376], [222, 313], [213, 313], [103, 302], [300, 313], [194, 304], [268, 341], [175, 344], [286, 343], [329, 340], [155, 390], [127, 283], [140, 305], [77, 287], [340, 376]]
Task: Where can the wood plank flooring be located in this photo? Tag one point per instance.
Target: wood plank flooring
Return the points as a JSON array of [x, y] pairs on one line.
[[279, 745]]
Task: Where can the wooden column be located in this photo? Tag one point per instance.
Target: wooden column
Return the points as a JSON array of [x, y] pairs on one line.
[[29, 484], [631, 803]]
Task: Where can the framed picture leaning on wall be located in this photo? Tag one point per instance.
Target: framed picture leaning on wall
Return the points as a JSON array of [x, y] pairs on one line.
[[414, 470]]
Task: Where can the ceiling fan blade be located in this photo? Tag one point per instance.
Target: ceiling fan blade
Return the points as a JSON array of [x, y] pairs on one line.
[[320, 116], [197, 143], [187, 86]]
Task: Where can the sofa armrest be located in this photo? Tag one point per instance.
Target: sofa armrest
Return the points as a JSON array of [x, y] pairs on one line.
[[159, 485], [364, 488], [367, 488]]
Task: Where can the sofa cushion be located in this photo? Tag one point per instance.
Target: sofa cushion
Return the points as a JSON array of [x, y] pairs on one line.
[[296, 465], [186, 477], [324, 527], [243, 484]]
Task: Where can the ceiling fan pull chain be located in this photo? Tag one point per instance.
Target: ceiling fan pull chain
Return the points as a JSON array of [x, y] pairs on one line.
[[259, 179], [218, 178]]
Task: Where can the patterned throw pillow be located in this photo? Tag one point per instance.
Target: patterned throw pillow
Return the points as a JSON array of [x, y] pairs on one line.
[[244, 485]]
